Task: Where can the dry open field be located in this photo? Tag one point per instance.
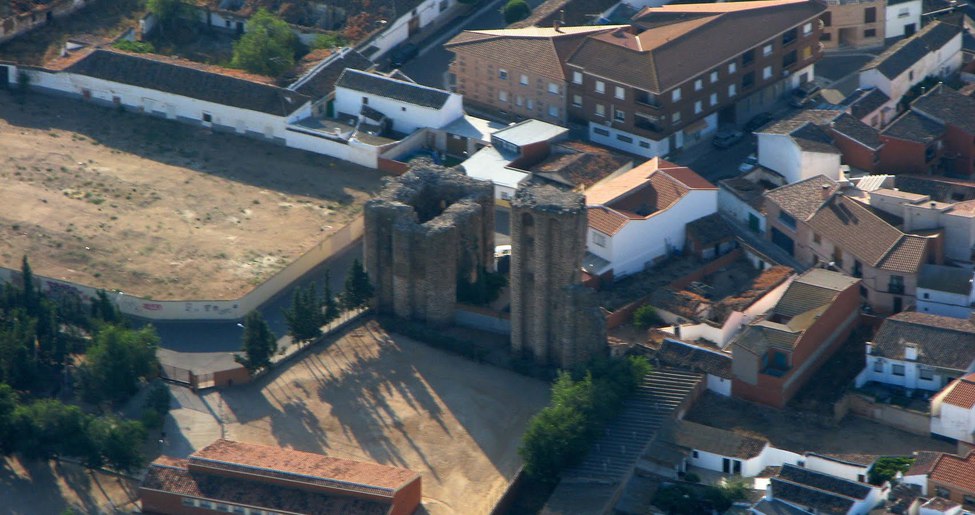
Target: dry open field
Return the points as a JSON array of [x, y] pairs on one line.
[[53, 487], [156, 208], [390, 400]]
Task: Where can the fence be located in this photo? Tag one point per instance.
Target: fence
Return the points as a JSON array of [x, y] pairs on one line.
[[888, 414]]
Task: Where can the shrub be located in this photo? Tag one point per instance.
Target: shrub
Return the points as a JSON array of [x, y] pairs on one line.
[[691, 477], [646, 317], [138, 47], [330, 40], [887, 468], [515, 10]]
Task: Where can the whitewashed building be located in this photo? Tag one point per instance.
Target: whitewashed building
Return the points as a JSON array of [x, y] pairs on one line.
[[903, 18], [798, 148], [953, 410], [639, 216], [409, 106], [935, 50], [724, 451], [712, 362], [919, 351], [818, 492], [854, 467], [946, 290]]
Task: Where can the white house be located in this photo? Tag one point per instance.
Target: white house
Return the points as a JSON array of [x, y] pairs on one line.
[[818, 492], [798, 148], [639, 216], [714, 363], [409, 106], [919, 351], [953, 410], [921, 213], [935, 50], [854, 467], [946, 291], [742, 198], [724, 451], [903, 18]]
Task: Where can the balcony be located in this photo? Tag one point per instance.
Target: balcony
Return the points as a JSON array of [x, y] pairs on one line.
[[646, 99], [642, 123]]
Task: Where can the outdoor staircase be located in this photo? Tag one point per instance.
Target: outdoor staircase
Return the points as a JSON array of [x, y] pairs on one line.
[[624, 439]]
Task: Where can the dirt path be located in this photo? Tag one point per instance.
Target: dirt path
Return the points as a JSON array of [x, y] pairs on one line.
[[160, 209]]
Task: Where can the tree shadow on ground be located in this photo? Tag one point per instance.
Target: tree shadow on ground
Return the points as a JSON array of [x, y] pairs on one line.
[[39, 491], [225, 155]]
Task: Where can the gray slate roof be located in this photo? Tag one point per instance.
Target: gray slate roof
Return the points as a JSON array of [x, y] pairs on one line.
[[945, 278], [700, 437], [913, 127], [682, 355], [322, 82], [902, 55], [813, 289], [395, 89], [948, 106], [865, 101], [858, 131], [187, 81], [944, 342], [801, 199]]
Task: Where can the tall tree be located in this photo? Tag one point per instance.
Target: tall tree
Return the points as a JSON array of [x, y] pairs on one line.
[[268, 47], [118, 361], [169, 13], [30, 294], [304, 317], [358, 290], [329, 302], [259, 343]]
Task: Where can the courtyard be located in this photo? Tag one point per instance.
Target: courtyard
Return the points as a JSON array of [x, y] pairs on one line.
[[373, 396], [158, 209]]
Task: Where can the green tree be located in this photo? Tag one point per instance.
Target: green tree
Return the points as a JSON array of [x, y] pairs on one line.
[[48, 428], [30, 293], [169, 13], [259, 343], [358, 290], [305, 318], [267, 48], [121, 444], [102, 308], [887, 468], [646, 317], [515, 10], [330, 304], [118, 360], [8, 405], [328, 41]]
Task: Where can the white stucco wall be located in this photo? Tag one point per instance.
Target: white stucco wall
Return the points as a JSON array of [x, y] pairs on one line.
[[834, 468], [900, 15], [910, 379], [640, 146], [642, 241], [731, 205], [769, 457], [406, 117], [942, 62], [719, 385], [778, 152], [398, 30], [944, 303], [954, 422]]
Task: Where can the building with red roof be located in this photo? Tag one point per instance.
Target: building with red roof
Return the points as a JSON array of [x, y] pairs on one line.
[[235, 477], [953, 411], [953, 478]]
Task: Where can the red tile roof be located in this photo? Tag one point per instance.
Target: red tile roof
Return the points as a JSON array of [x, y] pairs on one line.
[[962, 393], [956, 471], [262, 459], [605, 220]]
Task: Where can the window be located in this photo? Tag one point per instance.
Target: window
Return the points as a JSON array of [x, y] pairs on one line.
[[870, 15], [897, 370], [206, 504], [694, 454], [731, 90], [624, 139], [644, 144], [787, 220], [827, 19], [600, 110], [619, 115], [519, 100], [577, 77], [968, 500], [926, 373], [806, 29], [714, 76], [767, 50], [825, 36], [941, 491], [365, 101], [748, 80], [910, 75], [870, 33], [816, 239], [896, 284], [207, 117], [697, 107], [675, 95], [714, 99], [502, 95], [675, 118], [767, 72], [529, 104], [620, 93], [732, 67], [806, 53], [600, 86], [878, 366], [748, 57], [577, 100], [188, 502], [223, 507], [698, 85], [598, 239], [523, 80], [601, 132], [789, 36], [789, 59], [502, 74], [553, 88], [553, 111]]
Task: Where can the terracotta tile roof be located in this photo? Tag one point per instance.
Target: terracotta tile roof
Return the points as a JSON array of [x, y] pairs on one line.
[[174, 477], [949, 106], [924, 462], [962, 392], [903, 54], [801, 199], [941, 341], [956, 471], [823, 481], [692, 435], [710, 230], [940, 189], [911, 126], [674, 43], [692, 357], [863, 460], [606, 220], [813, 289], [574, 163], [260, 459], [858, 131], [825, 503], [193, 80], [907, 256], [541, 50]]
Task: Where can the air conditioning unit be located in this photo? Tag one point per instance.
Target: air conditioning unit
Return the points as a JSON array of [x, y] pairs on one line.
[[785, 73]]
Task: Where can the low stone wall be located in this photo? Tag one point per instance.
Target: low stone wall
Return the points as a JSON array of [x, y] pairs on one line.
[[888, 414]]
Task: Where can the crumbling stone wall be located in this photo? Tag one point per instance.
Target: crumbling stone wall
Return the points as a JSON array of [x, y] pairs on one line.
[[427, 229], [553, 318]]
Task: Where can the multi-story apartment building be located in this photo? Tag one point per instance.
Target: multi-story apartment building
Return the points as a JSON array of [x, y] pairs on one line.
[[854, 24], [516, 73], [669, 78]]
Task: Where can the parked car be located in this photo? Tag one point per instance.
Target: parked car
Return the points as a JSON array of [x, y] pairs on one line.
[[726, 138], [403, 54], [748, 164], [758, 121], [803, 95]]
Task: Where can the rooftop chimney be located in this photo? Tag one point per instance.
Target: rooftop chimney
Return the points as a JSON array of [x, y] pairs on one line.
[[910, 352], [825, 191], [557, 25]]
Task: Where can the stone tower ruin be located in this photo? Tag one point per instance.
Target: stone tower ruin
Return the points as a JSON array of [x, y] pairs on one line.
[[554, 318], [427, 230]]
